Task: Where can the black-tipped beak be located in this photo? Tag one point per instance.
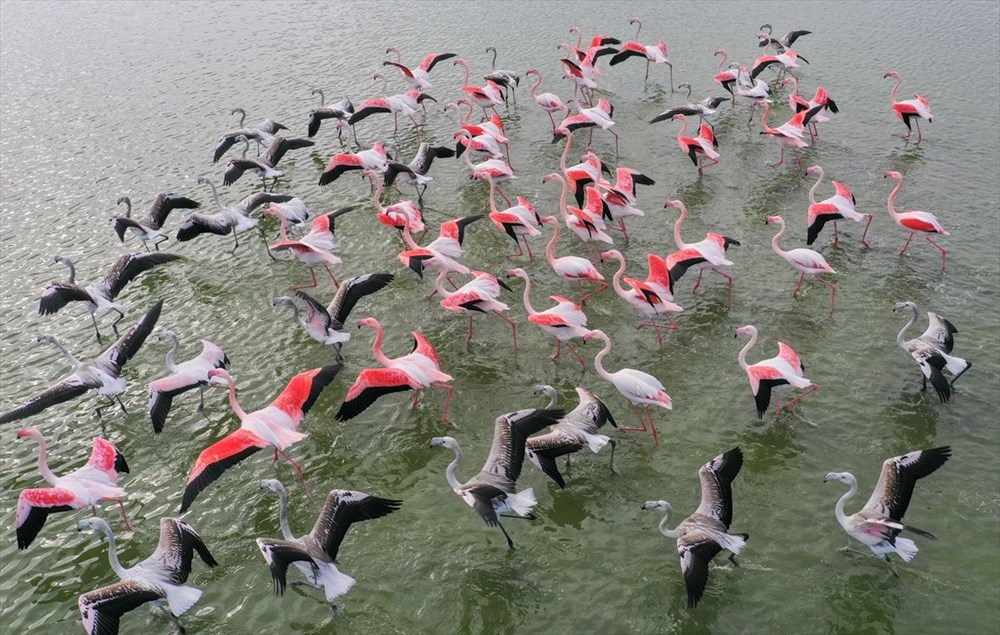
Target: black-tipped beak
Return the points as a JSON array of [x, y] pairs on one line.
[[504, 285]]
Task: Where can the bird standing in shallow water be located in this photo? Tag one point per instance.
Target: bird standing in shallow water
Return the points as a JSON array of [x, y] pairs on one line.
[[932, 350], [914, 221], [807, 261], [703, 534], [916, 109], [183, 377], [880, 521], [784, 371]]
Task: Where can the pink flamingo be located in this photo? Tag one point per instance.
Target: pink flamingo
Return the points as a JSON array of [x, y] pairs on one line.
[[839, 206], [375, 158], [700, 148], [783, 371], [479, 295], [483, 145], [405, 103], [564, 321], [487, 96], [422, 363], [83, 487], [572, 267], [398, 215], [807, 261], [433, 257], [418, 77], [917, 108], [618, 202], [652, 53], [517, 221], [649, 297], [728, 78], [638, 387], [276, 425], [549, 102], [312, 249], [709, 253], [788, 59], [788, 134], [799, 103], [598, 116], [587, 223], [914, 221]]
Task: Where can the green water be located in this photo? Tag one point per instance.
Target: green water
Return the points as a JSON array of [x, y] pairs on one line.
[[101, 100]]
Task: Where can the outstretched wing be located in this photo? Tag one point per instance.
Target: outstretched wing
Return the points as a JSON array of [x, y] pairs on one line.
[[129, 266], [342, 509], [279, 554], [217, 458], [128, 345], [716, 485], [352, 290], [101, 610], [899, 475]]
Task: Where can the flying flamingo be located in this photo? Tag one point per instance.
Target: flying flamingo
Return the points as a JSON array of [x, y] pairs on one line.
[[788, 134], [479, 295], [783, 371], [701, 148], [87, 486], [764, 40], [638, 387], [341, 111], [564, 321], [836, 207], [549, 102], [276, 425], [807, 261], [649, 297], [821, 98], [517, 221], [312, 249], [572, 267], [710, 253], [148, 227], [788, 59], [423, 354], [598, 116], [418, 77], [183, 377], [701, 109], [652, 53], [374, 158], [917, 108], [914, 221]]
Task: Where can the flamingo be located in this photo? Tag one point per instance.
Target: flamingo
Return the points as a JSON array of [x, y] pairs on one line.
[[276, 425], [416, 171], [505, 79], [932, 350], [598, 116], [483, 145], [494, 490], [479, 295], [565, 321], [583, 75], [652, 53], [418, 77], [700, 148], [702, 109], [102, 373], [807, 261], [374, 158], [293, 210], [315, 554], [839, 206], [312, 249], [728, 78], [755, 94], [266, 164], [705, 533], [148, 227], [99, 297], [442, 253], [572, 267], [341, 111], [913, 221], [649, 296], [638, 387], [787, 59], [496, 170], [487, 96], [578, 428], [917, 108], [549, 102], [262, 133], [587, 172], [765, 40], [821, 98], [788, 134], [586, 222], [880, 521], [783, 371], [404, 103], [709, 253], [517, 221], [86, 486], [618, 202], [232, 219], [492, 127], [183, 377], [401, 214], [159, 577]]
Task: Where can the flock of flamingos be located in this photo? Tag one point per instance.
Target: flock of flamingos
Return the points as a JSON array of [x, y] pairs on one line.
[[601, 208]]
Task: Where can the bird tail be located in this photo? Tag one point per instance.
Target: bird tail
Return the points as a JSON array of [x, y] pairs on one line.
[[596, 441], [522, 502], [955, 365], [334, 582], [733, 542], [906, 548], [181, 598]]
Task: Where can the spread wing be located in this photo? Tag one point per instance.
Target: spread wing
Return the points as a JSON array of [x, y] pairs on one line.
[[102, 609], [344, 508], [716, 485], [899, 475]]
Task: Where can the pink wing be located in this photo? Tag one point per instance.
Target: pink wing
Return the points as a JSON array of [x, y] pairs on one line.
[[422, 346], [788, 354], [107, 458], [303, 390]]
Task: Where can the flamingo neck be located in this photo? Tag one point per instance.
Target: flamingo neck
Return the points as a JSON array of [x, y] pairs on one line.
[[246, 148], [551, 247], [408, 237], [812, 191], [569, 142], [669, 533], [378, 195], [286, 529], [637, 30], [774, 241], [43, 462], [746, 349], [725, 56], [233, 402], [599, 360], [895, 87], [72, 270], [493, 196], [465, 65], [534, 88], [616, 280], [449, 474], [527, 295], [128, 206], [393, 49], [385, 85], [439, 285], [839, 509], [175, 344], [677, 228], [377, 347], [284, 227], [684, 127], [322, 96], [493, 64], [215, 195], [62, 349], [116, 566], [892, 198], [553, 397], [795, 89], [900, 339], [763, 118], [468, 104]]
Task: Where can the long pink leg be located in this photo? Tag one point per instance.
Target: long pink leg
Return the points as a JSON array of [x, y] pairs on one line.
[[777, 404], [583, 364], [907, 245], [603, 286], [780, 160], [552, 119], [638, 413], [656, 327], [646, 78], [864, 235], [520, 251], [469, 339], [944, 252], [788, 406], [920, 135], [833, 293], [558, 352], [121, 506], [332, 277], [298, 468], [528, 245], [513, 327], [616, 142], [798, 161], [447, 400], [729, 278], [504, 195], [799, 285], [312, 271], [836, 238], [697, 283], [656, 435], [416, 399]]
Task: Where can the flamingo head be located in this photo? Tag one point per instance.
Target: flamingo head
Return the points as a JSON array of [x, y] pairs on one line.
[[678, 117], [532, 71], [894, 175], [51, 339], [29, 433], [899, 306], [448, 442], [813, 169], [594, 333], [237, 110], [559, 133], [219, 378], [891, 74], [543, 389], [377, 76], [550, 177], [517, 272], [662, 506], [633, 20], [203, 180], [719, 52], [744, 330], [574, 29], [788, 80], [843, 477], [273, 484], [771, 220], [370, 322], [548, 220], [166, 335], [93, 524], [674, 203], [611, 253], [459, 61]]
